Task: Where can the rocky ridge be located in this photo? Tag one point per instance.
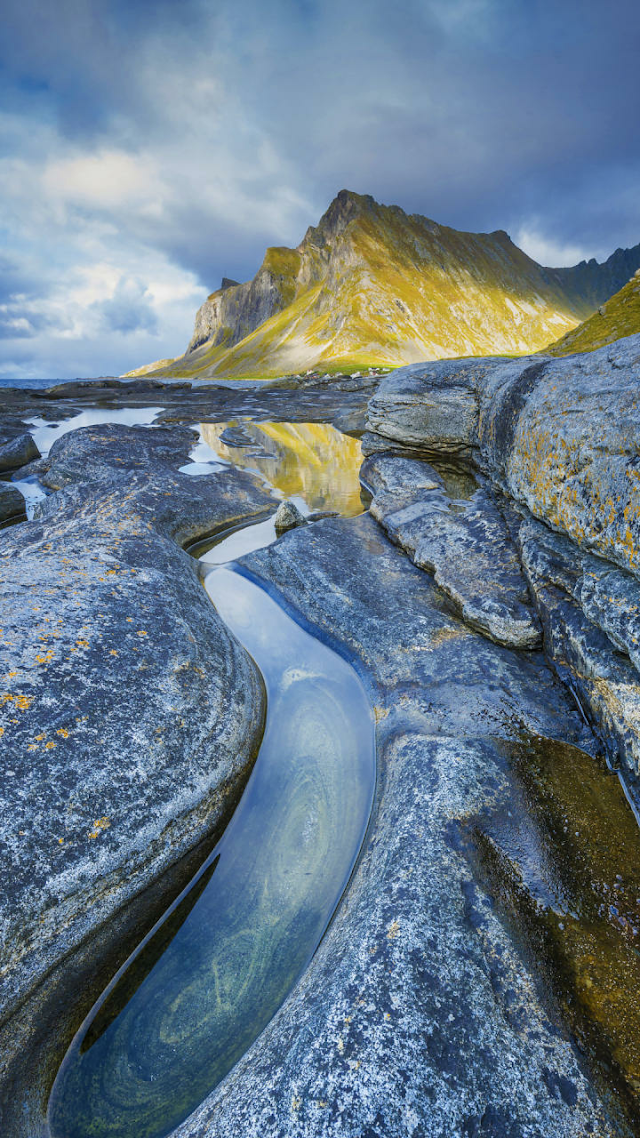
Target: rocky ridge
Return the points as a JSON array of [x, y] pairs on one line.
[[555, 444], [371, 284], [618, 317]]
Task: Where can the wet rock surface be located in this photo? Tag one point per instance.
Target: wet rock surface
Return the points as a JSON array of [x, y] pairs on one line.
[[130, 716], [11, 502], [418, 1014]]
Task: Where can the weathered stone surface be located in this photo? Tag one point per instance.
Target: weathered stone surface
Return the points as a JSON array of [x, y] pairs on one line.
[[288, 516], [465, 543], [590, 611], [560, 436], [11, 502], [130, 716], [18, 452], [417, 1016]]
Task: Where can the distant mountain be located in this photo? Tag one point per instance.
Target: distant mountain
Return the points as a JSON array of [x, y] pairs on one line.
[[371, 284], [618, 317]]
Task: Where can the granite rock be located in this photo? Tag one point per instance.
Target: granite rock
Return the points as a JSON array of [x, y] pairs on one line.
[[288, 516], [464, 542], [418, 1015], [560, 440], [561, 437], [18, 452], [130, 719]]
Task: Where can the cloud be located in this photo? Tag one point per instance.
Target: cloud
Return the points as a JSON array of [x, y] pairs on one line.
[[130, 309], [546, 251], [151, 148]]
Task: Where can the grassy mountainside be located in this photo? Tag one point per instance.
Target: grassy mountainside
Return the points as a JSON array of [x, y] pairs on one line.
[[618, 317], [372, 285]]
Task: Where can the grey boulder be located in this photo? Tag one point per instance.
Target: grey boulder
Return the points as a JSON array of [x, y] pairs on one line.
[[18, 452]]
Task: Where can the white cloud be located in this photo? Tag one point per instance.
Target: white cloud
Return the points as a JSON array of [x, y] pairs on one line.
[[547, 251]]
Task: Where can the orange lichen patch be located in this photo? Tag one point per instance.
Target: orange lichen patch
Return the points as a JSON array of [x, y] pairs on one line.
[[112, 652], [46, 658], [82, 643], [50, 745], [22, 702], [99, 825], [63, 732]]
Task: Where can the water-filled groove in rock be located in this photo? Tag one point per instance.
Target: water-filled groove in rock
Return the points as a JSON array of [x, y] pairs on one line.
[[213, 973]]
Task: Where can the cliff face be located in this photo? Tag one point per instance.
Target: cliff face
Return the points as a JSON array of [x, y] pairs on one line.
[[372, 284]]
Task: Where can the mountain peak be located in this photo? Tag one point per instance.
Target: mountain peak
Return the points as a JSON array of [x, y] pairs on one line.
[[370, 284]]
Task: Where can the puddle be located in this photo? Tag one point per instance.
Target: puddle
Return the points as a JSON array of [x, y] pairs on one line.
[[45, 433], [212, 974], [313, 462]]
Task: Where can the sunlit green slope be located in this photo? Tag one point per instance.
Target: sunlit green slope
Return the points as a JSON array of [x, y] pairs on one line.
[[618, 317]]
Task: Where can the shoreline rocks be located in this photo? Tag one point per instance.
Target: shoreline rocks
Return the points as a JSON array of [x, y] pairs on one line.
[[557, 442], [418, 1013], [130, 715]]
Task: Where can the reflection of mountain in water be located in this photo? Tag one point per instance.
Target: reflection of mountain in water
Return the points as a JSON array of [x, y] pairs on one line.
[[313, 460]]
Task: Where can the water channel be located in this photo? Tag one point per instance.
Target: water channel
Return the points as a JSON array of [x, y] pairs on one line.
[[213, 972]]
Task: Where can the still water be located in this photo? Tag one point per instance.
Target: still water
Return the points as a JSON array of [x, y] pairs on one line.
[[312, 461], [212, 974]]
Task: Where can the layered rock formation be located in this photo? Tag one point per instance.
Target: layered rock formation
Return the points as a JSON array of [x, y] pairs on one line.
[[371, 284], [555, 445]]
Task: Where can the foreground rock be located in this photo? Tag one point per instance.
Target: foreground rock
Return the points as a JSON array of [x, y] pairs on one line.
[[18, 452], [418, 1015], [11, 502], [130, 720], [464, 541], [558, 441], [288, 516]]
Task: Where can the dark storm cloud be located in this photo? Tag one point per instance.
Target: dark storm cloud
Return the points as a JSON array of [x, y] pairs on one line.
[[171, 140]]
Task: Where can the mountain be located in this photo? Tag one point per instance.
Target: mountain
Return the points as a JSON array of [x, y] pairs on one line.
[[619, 317], [371, 284]]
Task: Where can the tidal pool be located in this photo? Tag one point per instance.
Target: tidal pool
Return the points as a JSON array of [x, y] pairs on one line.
[[213, 972], [312, 461]]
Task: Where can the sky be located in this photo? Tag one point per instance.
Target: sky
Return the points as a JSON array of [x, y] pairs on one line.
[[150, 147]]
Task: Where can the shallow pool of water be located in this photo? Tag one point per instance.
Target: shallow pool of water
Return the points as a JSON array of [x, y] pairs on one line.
[[212, 974], [45, 433], [311, 461]]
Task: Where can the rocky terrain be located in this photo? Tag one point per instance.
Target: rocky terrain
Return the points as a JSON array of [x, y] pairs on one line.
[[372, 285], [130, 721], [481, 975]]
